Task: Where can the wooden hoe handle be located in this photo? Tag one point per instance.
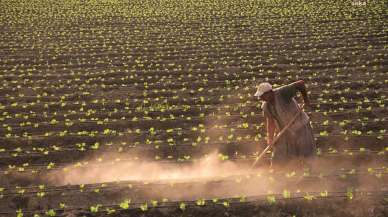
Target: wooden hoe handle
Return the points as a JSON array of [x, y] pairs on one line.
[[277, 137]]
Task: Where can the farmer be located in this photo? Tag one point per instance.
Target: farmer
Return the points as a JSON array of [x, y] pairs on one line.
[[279, 107]]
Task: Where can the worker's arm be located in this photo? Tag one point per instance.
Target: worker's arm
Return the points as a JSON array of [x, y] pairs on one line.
[[300, 86], [270, 130]]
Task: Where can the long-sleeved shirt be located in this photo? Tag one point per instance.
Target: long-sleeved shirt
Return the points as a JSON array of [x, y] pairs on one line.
[[285, 108]]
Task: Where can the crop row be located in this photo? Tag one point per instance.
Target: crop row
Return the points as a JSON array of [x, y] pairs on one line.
[[124, 119], [167, 86], [206, 60], [47, 13], [28, 166], [222, 204], [241, 132], [270, 176], [162, 56], [248, 120], [360, 149], [209, 66], [199, 109], [194, 135], [219, 69], [223, 77], [214, 133], [260, 24], [185, 96]]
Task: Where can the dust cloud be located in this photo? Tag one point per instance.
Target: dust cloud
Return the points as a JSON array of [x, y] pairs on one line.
[[206, 167], [211, 177], [191, 179]]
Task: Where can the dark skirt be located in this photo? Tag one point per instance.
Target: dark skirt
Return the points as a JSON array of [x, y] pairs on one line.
[[291, 146]]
